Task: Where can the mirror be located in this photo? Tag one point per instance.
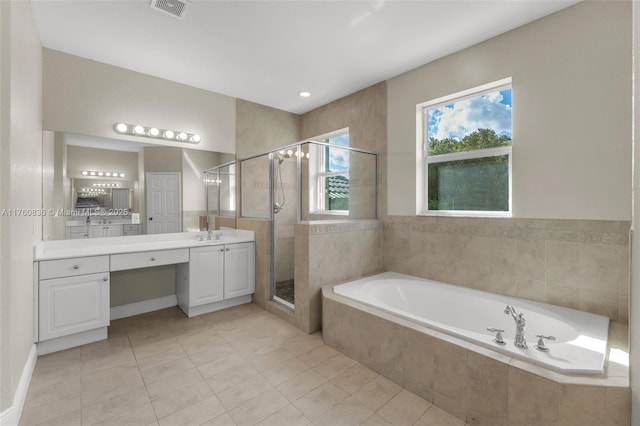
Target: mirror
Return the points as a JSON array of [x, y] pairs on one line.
[[220, 183], [95, 187]]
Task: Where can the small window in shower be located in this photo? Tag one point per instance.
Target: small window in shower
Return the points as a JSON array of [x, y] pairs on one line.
[[330, 170]]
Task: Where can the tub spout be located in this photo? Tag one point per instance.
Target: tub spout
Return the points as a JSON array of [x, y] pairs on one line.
[[520, 341]]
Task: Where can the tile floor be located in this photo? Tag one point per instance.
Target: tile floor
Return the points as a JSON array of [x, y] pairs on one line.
[[240, 366]]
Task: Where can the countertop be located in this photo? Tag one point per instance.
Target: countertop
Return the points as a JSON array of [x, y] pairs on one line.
[[63, 249]]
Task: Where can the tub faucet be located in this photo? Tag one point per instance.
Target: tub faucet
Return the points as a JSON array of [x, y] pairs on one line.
[[520, 341]]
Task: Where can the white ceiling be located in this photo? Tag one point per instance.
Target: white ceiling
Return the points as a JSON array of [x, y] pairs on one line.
[[268, 51]]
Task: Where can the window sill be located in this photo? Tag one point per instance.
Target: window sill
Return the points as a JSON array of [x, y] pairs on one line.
[[331, 212], [471, 214]]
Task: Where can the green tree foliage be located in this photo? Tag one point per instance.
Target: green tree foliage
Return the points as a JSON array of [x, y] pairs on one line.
[[480, 139], [479, 184]]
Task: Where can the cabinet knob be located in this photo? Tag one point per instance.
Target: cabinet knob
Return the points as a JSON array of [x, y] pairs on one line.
[[221, 250], [153, 259], [76, 266], [227, 249], [105, 279]]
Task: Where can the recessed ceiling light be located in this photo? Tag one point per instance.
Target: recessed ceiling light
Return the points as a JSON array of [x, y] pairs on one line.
[[305, 94]]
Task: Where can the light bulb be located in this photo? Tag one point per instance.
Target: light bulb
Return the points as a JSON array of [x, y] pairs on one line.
[[100, 174], [122, 174], [121, 127], [289, 153], [195, 138], [304, 94], [85, 173], [154, 132], [92, 173], [108, 174], [182, 136], [138, 130], [169, 134], [307, 155]]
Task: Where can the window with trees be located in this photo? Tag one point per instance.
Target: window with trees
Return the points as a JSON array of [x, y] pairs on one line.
[[466, 152]]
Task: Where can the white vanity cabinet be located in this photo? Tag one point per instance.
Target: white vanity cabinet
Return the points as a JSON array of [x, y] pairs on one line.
[[73, 296], [216, 277], [98, 231]]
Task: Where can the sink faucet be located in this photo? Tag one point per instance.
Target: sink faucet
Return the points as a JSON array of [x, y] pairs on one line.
[[520, 341]]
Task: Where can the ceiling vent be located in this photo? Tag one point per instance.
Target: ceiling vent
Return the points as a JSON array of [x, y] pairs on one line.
[[175, 8]]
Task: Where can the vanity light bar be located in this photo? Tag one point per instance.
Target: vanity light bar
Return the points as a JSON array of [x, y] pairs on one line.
[[103, 174], [108, 185], [156, 133]]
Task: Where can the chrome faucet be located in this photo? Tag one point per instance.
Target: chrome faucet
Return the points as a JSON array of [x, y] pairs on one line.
[[520, 341]]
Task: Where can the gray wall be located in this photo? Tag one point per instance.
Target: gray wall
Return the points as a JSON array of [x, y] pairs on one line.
[[571, 112], [20, 186], [87, 97]]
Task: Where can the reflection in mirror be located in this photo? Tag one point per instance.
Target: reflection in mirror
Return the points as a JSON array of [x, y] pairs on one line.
[[220, 182], [95, 187]]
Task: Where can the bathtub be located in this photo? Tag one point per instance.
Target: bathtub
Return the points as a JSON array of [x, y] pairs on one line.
[[581, 338]]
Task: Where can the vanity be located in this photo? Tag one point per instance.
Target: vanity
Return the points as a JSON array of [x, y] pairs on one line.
[[71, 279]]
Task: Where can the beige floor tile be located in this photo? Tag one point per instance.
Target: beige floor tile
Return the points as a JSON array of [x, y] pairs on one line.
[[354, 379], [140, 416], [180, 399], [174, 383], [285, 371], [112, 407], [107, 358], [434, 416], [222, 420], [349, 412], [377, 393], [62, 390], [149, 348], [301, 384], [221, 365], [58, 361], [167, 369], [243, 392], [288, 415], [56, 377], [267, 360], [108, 383], [304, 343], [376, 420], [48, 412], [212, 352], [317, 355], [320, 400], [334, 366], [114, 341], [404, 409], [73, 418], [258, 408], [231, 377], [195, 414], [185, 326], [169, 351]]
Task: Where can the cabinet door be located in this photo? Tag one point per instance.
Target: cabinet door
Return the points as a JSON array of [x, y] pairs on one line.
[[239, 272], [73, 304], [206, 267], [97, 231], [114, 231]]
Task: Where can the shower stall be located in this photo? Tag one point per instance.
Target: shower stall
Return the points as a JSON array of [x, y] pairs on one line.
[[303, 182]]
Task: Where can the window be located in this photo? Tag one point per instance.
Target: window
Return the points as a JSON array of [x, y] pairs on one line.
[[465, 142], [331, 174]]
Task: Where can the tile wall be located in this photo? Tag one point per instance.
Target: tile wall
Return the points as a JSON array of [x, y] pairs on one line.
[[580, 264]]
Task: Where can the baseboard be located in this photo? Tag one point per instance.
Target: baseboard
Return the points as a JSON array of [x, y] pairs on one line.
[[71, 341], [11, 416], [143, 307]]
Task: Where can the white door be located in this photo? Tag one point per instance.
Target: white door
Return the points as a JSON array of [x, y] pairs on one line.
[[239, 272], [164, 212], [206, 270], [73, 304]]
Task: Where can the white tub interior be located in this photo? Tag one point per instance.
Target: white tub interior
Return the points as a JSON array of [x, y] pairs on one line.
[[581, 338]]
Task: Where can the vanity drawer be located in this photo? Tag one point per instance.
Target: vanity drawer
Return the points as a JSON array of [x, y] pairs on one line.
[[121, 262], [74, 266]]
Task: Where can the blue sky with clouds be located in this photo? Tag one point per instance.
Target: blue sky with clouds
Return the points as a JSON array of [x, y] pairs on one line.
[[339, 158], [456, 120]]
